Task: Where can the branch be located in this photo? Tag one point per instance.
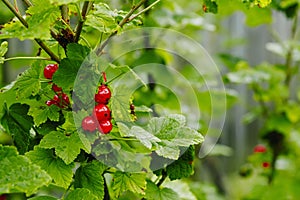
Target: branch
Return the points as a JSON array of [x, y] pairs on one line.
[[82, 18], [125, 20], [144, 10], [40, 42]]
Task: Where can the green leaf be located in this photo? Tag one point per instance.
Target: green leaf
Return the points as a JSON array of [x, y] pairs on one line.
[[41, 16], [120, 103], [166, 135], [67, 147], [134, 182], [183, 167], [155, 193], [68, 68], [90, 176], [29, 82], [77, 52], [41, 112], [102, 18], [81, 194], [18, 174], [60, 172], [18, 124]]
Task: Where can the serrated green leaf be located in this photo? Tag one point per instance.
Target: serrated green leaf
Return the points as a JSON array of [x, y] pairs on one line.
[[89, 176], [65, 76], [67, 147], [164, 135], [18, 124], [29, 82], [68, 68], [81, 194], [155, 193], [134, 182], [60, 172], [77, 52], [102, 18], [42, 16], [183, 167], [18, 174], [120, 103], [41, 112], [145, 137]]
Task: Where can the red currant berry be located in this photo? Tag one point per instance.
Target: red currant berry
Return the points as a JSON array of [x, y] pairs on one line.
[[105, 126], [103, 95], [89, 124], [259, 148], [3, 197], [49, 70], [51, 102], [62, 100], [55, 88], [265, 164], [102, 112]]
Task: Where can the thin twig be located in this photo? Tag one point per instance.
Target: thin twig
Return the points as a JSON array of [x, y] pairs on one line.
[[82, 19], [144, 10], [26, 58], [125, 20], [40, 42], [28, 3]]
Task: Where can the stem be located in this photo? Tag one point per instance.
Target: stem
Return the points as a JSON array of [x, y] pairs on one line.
[[163, 178], [40, 42], [26, 58], [28, 3], [125, 20], [82, 19], [16, 13], [144, 10], [65, 14], [289, 56], [106, 192], [48, 50]]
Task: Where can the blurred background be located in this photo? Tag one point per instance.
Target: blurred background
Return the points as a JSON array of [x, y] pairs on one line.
[[239, 37]]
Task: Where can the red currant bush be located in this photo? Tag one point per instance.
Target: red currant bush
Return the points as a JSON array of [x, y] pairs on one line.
[[89, 124], [103, 95], [101, 112], [105, 126], [49, 70]]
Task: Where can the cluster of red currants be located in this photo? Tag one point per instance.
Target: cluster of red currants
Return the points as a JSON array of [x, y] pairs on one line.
[[60, 99], [261, 149], [101, 117]]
